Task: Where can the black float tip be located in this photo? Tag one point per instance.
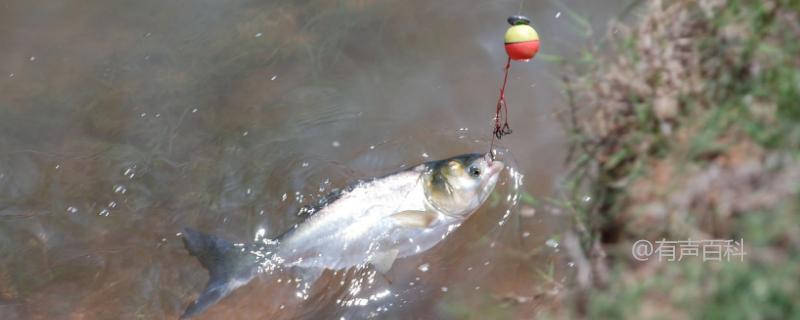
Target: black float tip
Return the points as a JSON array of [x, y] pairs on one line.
[[518, 19]]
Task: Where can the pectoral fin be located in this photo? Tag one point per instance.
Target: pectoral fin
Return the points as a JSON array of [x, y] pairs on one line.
[[383, 260], [414, 219]]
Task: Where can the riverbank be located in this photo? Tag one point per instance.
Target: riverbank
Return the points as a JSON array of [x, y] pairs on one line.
[[690, 131]]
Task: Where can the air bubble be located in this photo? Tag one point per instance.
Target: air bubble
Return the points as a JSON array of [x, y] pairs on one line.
[[424, 267]]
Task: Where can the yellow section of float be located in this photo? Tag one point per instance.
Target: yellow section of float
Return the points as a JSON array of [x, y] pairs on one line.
[[521, 33]]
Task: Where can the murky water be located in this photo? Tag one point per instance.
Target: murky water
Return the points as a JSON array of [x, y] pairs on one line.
[[121, 123]]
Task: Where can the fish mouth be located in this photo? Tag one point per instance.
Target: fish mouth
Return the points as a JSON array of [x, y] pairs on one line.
[[495, 167], [492, 174]]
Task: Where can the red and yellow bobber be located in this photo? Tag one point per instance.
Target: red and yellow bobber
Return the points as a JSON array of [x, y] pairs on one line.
[[522, 41]]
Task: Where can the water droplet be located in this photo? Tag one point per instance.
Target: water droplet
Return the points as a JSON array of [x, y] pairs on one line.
[[129, 172], [336, 144], [120, 189], [424, 267], [260, 233]]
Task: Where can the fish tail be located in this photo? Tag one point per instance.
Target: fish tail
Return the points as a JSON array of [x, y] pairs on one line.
[[229, 267]]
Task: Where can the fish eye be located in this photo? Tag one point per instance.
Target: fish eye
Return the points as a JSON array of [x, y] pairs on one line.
[[474, 171]]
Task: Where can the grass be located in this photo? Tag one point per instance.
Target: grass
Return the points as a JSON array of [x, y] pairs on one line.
[[690, 132]]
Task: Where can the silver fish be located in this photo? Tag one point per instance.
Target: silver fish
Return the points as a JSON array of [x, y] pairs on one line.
[[370, 222]]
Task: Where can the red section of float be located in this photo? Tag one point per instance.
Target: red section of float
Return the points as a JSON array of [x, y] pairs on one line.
[[522, 50]]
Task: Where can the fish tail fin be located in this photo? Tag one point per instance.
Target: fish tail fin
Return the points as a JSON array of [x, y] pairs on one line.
[[228, 267]]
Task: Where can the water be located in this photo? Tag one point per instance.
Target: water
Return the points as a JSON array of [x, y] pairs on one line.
[[121, 123]]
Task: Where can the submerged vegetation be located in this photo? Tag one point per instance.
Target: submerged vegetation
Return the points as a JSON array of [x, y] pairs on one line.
[[690, 131]]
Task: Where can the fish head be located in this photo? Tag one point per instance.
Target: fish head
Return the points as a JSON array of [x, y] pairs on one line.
[[457, 186]]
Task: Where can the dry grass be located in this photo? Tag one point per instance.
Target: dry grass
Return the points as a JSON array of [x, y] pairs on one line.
[[690, 133]]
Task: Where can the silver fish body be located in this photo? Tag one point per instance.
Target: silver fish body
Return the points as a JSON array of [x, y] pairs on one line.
[[370, 222], [344, 233]]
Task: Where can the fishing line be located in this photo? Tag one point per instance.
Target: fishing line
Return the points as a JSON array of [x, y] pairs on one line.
[[521, 44], [502, 107]]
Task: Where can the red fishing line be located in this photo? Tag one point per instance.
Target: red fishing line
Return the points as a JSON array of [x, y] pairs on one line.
[[522, 44], [502, 107]]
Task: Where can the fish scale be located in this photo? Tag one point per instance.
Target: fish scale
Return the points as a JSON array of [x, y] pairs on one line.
[[370, 222]]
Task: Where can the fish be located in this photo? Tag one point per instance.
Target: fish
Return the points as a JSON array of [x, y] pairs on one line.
[[370, 222]]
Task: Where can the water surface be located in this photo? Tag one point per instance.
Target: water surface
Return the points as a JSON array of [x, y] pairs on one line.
[[123, 122]]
